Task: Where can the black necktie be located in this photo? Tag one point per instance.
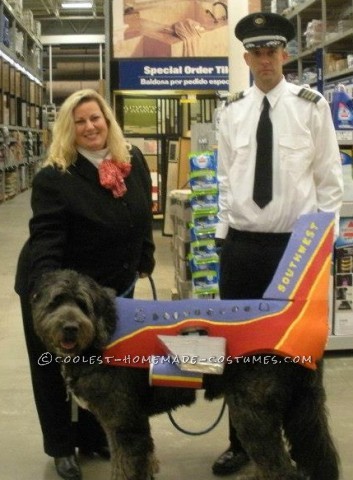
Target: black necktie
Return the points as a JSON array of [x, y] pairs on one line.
[[263, 169]]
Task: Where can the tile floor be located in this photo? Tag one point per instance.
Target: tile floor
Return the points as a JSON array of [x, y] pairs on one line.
[[182, 457]]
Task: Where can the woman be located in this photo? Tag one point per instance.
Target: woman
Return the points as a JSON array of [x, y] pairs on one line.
[[92, 213]]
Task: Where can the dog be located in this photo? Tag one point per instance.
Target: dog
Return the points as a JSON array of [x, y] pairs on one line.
[[277, 408]]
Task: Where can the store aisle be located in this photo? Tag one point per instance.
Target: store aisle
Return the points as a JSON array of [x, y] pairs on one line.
[[182, 457]]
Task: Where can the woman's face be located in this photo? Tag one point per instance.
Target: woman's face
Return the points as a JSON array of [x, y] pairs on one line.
[[91, 128]]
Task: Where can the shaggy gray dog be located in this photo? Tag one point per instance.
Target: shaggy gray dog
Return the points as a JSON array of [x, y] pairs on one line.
[[75, 317]]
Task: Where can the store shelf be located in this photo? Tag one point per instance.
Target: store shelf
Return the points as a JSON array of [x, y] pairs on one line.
[[346, 209], [342, 314], [322, 55], [21, 100], [326, 25], [302, 7], [345, 137], [340, 342]]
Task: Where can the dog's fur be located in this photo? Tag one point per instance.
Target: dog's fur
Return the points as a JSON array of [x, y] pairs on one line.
[[270, 404]]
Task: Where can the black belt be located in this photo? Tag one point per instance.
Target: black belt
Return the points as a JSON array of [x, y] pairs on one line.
[[234, 234]]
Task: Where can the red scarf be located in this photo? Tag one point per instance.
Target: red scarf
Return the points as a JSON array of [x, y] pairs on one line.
[[112, 174]]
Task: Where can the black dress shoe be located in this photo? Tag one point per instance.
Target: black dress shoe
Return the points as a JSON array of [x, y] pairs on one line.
[[68, 468], [229, 462], [102, 452]]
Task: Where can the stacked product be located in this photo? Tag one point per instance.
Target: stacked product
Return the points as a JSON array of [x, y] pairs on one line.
[[343, 298], [342, 109], [342, 113], [5, 31], [180, 212], [203, 257], [314, 33], [17, 6]]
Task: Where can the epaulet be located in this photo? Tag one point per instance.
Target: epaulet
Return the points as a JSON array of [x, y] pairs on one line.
[[234, 97], [309, 95]]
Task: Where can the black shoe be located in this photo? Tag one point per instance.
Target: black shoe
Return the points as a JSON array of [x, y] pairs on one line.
[[102, 452], [229, 462], [68, 468]]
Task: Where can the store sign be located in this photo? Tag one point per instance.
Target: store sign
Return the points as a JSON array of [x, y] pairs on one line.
[[170, 74]]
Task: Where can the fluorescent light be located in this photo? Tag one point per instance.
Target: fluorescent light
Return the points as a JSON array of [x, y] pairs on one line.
[[77, 5]]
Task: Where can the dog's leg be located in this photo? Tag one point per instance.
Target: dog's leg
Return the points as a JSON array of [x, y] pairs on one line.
[[258, 427], [306, 427], [132, 452]]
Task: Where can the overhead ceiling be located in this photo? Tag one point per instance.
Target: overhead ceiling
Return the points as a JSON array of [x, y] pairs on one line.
[[74, 64]]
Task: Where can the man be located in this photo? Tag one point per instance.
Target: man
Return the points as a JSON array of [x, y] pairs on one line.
[[259, 205]]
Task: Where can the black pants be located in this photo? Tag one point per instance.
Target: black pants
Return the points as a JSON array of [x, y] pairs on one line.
[[247, 264], [60, 434]]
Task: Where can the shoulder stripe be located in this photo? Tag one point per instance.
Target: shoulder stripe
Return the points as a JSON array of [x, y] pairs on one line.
[[309, 95], [234, 97]]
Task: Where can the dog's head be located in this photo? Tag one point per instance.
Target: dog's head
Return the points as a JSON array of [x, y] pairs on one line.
[[71, 312]]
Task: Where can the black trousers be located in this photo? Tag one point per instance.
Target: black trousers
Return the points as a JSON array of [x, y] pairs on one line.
[[247, 264], [60, 434]]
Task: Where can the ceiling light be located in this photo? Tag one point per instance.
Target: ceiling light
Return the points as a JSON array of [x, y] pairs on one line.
[[77, 5]]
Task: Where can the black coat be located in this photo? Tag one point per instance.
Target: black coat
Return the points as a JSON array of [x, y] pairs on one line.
[[78, 224]]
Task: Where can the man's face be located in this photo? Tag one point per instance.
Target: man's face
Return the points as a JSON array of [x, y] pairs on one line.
[[266, 65]]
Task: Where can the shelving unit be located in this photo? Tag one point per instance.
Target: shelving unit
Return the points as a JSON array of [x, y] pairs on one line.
[[342, 342], [323, 49], [321, 55], [22, 136]]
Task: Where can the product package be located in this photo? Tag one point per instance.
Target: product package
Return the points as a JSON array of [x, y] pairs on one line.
[[203, 257]]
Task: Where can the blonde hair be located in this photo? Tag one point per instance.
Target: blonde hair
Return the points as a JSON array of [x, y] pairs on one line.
[[62, 151]]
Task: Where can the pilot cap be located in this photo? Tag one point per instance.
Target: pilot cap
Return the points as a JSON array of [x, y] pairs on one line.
[[264, 30]]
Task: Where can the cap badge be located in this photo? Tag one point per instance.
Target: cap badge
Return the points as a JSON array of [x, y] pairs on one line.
[[259, 21]]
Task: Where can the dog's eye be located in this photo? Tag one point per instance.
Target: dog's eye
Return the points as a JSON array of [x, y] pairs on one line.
[[82, 306], [56, 301]]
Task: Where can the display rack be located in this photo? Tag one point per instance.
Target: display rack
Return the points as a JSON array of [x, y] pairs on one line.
[[21, 99]]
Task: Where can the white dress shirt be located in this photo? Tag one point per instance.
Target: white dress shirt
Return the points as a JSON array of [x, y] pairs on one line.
[[307, 171]]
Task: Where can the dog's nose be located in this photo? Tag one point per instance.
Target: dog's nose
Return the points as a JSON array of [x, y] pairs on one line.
[[70, 331]]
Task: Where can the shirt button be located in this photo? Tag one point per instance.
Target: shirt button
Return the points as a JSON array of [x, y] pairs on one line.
[[126, 266]]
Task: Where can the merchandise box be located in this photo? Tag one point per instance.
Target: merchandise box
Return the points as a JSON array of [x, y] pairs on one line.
[[184, 288], [182, 268], [182, 248], [277, 6], [17, 6], [343, 279], [5, 77], [180, 204], [182, 229]]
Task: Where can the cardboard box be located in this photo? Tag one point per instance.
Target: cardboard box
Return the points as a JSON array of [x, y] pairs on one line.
[[184, 288], [180, 204]]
